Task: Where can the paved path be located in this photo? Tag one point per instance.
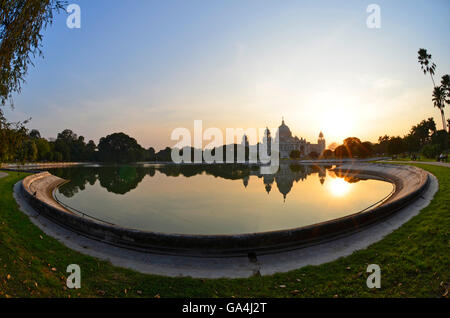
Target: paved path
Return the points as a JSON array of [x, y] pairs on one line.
[[440, 164], [2, 174], [42, 188]]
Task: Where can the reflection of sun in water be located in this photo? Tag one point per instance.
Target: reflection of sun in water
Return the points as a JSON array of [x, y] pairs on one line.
[[339, 187]]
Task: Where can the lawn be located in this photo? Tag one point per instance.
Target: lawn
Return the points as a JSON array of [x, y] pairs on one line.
[[414, 262], [422, 158]]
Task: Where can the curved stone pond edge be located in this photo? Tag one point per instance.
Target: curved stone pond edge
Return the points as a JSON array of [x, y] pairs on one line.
[[410, 182]]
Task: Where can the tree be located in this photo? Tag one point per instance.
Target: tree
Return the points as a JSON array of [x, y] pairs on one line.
[[395, 146], [366, 149], [420, 134], [164, 155], [151, 155], [295, 154], [120, 148], [440, 93], [430, 151], [426, 64], [445, 86], [90, 151], [12, 139], [441, 139], [353, 146], [43, 148], [439, 96], [341, 152], [327, 154], [313, 155], [21, 26], [35, 134]]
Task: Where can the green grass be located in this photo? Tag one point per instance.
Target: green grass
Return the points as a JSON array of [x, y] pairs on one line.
[[414, 262], [422, 158]]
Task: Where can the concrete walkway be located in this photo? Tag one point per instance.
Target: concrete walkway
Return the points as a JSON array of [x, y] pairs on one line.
[[440, 164], [2, 174], [42, 186]]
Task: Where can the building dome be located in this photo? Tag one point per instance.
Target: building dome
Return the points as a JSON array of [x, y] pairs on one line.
[[284, 131]]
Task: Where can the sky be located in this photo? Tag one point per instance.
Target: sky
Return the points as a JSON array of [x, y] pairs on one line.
[[146, 67]]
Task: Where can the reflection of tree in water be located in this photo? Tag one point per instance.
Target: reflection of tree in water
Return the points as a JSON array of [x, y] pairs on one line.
[[78, 176], [348, 176], [122, 179], [232, 171], [116, 179]]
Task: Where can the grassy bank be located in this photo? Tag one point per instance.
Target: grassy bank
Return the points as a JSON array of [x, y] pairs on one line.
[[414, 261]]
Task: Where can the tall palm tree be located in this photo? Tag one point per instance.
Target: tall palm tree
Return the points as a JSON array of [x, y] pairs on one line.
[[439, 95], [426, 64], [445, 85]]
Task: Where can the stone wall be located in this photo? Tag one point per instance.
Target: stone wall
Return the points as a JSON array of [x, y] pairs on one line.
[[409, 183]]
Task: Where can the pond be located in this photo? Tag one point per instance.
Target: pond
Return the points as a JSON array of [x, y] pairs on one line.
[[215, 199]]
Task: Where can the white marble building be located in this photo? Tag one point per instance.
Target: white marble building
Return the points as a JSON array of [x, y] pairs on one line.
[[288, 143]]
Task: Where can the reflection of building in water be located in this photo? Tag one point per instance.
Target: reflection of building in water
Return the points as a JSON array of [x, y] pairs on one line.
[[268, 181], [285, 180], [322, 174], [245, 180], [287, 175], [288, 143]]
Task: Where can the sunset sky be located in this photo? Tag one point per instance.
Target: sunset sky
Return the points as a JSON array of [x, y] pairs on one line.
[[147, 67]]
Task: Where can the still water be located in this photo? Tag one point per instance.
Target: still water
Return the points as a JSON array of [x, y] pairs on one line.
[[215, 199]]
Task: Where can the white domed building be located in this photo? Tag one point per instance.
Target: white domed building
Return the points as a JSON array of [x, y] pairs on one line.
[[288, 143]]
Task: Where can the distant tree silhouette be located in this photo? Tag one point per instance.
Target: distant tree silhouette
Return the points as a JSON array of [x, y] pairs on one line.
[[426, 63], [120, 148], [439, 96], [327, 154], [313, 155], [295, 154], [341, 152]]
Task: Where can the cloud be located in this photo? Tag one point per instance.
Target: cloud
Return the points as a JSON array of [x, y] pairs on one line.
[[386, 83]]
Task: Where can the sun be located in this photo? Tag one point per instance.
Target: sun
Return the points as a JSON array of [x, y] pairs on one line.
[[338, 114], [338, 126], [339, 187]]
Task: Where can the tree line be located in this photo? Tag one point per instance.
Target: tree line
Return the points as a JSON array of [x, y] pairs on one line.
[[423, 139], [19, 145]]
